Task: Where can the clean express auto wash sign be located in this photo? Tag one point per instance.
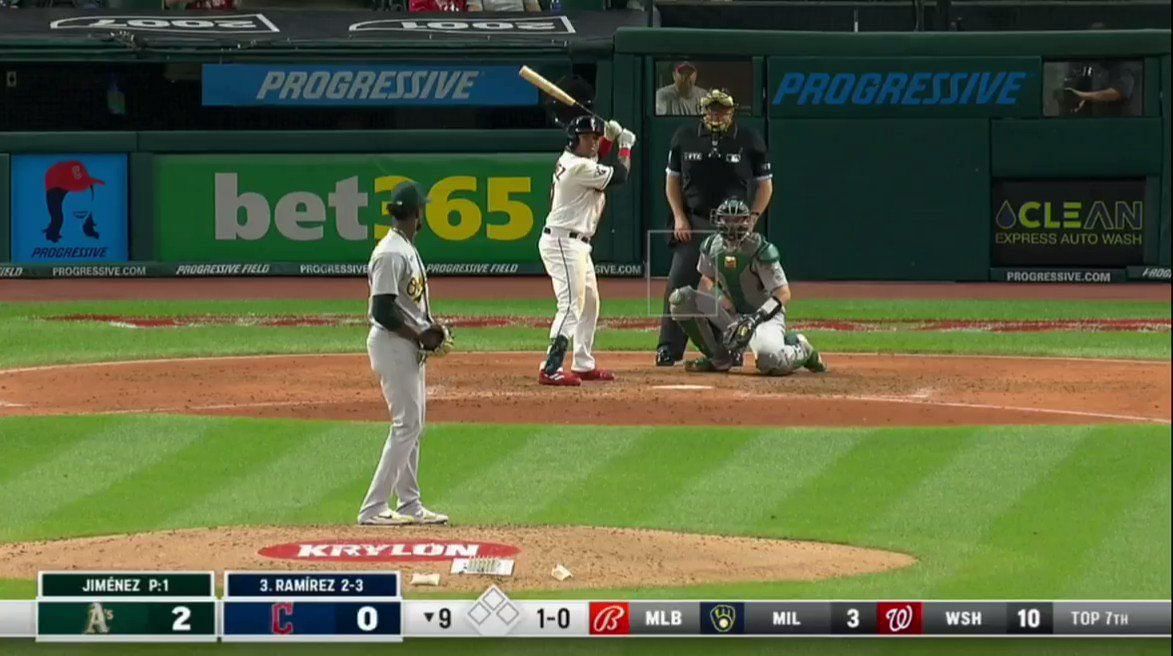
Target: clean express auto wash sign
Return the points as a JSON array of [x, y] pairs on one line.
[[337, 551]]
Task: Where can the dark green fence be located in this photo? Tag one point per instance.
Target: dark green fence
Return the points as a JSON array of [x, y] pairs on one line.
[[891, 176]]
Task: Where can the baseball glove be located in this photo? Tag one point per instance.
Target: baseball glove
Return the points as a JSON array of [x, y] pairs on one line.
[[436, 340], [737, 334]]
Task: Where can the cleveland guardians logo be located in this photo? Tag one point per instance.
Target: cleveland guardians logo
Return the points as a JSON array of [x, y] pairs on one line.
[[61, 180]]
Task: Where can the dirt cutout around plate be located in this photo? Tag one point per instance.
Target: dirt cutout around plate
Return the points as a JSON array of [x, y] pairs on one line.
[[599, 558]]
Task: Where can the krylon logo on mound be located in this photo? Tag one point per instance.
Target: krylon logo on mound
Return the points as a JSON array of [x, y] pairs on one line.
[[226, 24], [535, 26], [337, 551]]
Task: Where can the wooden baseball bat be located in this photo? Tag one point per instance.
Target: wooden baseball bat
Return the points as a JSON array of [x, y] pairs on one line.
[[533, 77]]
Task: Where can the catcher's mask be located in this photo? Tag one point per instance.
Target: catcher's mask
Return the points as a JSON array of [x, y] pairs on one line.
[[579, 125], [733, 221], [717, 107]]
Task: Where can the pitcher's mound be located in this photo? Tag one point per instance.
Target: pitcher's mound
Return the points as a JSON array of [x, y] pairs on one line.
[[597, 557]]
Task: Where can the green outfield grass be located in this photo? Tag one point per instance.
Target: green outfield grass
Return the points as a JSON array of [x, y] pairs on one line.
[[989, 512], [31, 340]]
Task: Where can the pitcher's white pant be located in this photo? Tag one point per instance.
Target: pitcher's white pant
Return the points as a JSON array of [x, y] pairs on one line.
[[401, 374], [569, 265]]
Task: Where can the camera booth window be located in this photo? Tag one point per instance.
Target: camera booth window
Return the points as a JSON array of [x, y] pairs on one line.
[[682, 82], [1093, 88]]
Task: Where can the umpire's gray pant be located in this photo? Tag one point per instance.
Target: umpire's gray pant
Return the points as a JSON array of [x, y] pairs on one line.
[[401, 374]]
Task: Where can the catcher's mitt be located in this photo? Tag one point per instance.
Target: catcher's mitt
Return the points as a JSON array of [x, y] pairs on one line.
[[436, 340], [737, 334]]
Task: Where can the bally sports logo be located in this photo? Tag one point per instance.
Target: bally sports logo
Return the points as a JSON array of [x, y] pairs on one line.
[[337, 551]]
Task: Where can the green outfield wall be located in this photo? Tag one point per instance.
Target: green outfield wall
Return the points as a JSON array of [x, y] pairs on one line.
[[896, 156]]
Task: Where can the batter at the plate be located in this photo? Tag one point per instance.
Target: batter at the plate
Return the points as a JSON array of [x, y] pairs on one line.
[[577, 200]]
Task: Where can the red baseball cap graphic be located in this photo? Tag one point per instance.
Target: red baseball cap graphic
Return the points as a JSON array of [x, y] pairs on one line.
[[70, 176], [610, 618]]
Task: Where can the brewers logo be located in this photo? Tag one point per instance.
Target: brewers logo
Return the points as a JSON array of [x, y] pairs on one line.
[[415, 289]]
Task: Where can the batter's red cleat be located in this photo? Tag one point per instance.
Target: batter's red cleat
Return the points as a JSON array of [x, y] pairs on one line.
[[559, 379], [596, 374]]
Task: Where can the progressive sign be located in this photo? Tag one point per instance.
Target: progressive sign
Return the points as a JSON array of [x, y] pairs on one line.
[[375, 85], [905, 87]]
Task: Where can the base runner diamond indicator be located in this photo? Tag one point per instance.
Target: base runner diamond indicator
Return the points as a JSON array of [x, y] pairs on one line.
[[493, 614]]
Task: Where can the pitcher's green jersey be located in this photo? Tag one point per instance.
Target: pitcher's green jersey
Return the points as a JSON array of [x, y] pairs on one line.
[[747, 275]]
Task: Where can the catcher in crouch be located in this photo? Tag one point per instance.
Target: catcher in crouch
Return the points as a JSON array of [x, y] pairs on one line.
[[740, 301]]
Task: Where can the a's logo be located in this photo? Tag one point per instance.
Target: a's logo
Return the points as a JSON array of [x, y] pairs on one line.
[[537, 26], [61, 180], [415, 289], [610, 618], [97, 618], [900, 618], [405, 551], [730, 262], [723, 617], [229, 24], [280, 613]]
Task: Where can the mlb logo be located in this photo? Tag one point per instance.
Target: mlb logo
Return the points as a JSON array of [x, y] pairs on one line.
[[900, 617], [610, 618]]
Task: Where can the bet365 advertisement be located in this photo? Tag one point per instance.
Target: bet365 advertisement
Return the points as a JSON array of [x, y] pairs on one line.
[[1076, 223], [330, 208], [69, 208]]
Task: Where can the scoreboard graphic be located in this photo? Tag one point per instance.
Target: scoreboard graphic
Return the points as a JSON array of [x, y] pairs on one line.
[[369, 607]]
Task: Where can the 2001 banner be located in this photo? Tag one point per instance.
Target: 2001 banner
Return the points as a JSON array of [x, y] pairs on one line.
[[331, 208]]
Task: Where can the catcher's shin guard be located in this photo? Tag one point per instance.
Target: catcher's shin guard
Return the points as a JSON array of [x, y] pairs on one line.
[[555, 355]]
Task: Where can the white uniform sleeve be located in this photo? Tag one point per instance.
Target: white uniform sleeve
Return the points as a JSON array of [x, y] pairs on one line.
[[705, 266], [387, 272], [589, 174], [771, 275]]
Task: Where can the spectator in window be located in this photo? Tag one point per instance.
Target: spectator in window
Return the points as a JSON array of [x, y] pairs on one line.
[[208, 5], [504, 5], [1111, 90], [683, 96]]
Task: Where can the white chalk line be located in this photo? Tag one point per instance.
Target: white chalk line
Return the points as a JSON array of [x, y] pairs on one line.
[[905, 400], [850, 354], [915, 400], [8, 404]]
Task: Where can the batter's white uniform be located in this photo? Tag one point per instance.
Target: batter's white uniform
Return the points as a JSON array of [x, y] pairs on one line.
[[576, 207], [396, 268]]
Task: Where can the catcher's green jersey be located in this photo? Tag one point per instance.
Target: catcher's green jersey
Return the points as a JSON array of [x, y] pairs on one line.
[[747, 275]]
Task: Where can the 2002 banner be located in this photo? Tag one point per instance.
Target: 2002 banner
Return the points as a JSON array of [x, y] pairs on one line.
[[331, 208]]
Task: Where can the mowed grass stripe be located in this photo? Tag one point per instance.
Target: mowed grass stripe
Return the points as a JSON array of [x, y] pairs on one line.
[[452, 456], [226, 450], [28, 442], [645, 478], [944, 518], [1128, 555], [1041, 542], [728, 494], [550, 460], [879, 471], [112, 449], [304, 464]]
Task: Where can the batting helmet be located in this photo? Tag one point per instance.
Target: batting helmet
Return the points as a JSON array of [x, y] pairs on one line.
[[733, 221], [582, 125]]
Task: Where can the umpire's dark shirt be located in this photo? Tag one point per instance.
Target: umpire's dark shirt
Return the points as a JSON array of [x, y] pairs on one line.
[[716, 167]]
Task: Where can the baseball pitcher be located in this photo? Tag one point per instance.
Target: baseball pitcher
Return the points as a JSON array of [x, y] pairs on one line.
[[740, 301], [403, 335], [578, 197]]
